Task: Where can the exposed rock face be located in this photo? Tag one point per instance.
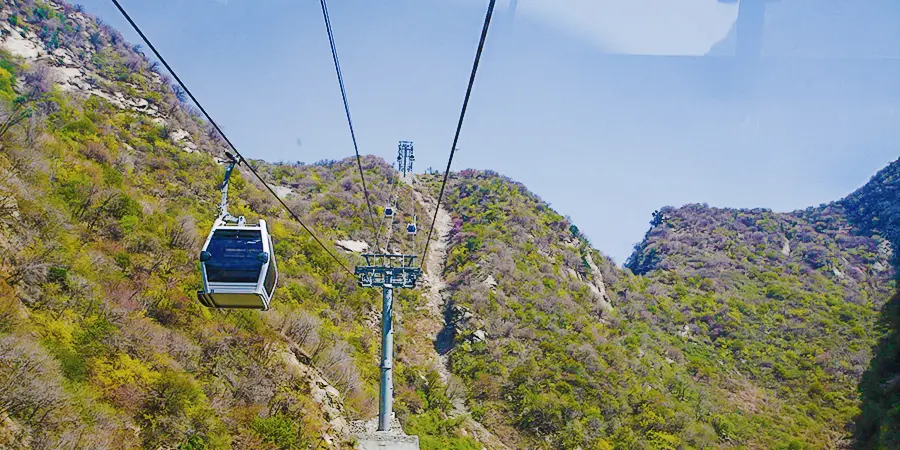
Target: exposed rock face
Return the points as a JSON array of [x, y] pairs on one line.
[[353, 246], [325, 395], [597, 286], [27, 46], [78, 74]]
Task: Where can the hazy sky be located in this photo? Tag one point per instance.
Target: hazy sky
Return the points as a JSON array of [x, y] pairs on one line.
[[567, 100]]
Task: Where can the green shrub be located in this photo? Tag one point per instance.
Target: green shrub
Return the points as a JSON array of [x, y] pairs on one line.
[[58, 275], [282, 431]]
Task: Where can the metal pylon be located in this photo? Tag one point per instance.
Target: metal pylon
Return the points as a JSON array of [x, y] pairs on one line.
[[405, 157], [387, 272]]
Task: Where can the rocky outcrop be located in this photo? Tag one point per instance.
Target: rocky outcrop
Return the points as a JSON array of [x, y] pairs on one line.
[[77, 74], [20, 43], [325, 395], [597, 286], [353, 246]]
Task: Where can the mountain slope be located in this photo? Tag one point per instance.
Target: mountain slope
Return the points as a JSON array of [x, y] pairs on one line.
[[876, 209], [787, 300], [100, 233], [742, 328], [107, 185], [729, 328]]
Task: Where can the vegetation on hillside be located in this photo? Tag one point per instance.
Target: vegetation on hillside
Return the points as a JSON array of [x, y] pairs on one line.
[[791, 300], [102, 208], [728, 329], [875, 209], [878, 426], [100, 233], [745, 329]]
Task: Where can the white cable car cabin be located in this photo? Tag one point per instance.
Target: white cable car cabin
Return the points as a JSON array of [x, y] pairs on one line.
[[238, 267], [237, 262], [388, 212]]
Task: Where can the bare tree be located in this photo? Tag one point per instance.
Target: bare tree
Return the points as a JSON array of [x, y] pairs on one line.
[[96, 151], [180, 94], [302, 328], [8, 202], [337, 366], [38, 78], [134, 63], [214, 136], [96, 39], [34, 259], [9, 308], [39, 81], [182, 234], [30, 387]]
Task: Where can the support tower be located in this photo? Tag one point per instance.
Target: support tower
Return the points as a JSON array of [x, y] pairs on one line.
[[405, 157], [387, 271]]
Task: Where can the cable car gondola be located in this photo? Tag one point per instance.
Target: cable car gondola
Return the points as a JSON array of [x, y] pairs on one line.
[[237, 262], [388, 212], [411, 228]]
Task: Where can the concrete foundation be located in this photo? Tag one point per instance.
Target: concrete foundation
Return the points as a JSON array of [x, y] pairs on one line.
[[368, 438], [381, 440]]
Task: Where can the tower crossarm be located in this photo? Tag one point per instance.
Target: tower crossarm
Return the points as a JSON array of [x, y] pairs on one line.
[[385, 269]]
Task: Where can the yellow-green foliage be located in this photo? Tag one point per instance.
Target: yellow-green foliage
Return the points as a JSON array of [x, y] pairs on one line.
[[720, 341], [751, 370], [111, 214], [7, 94], [102, 258], [110, 374]]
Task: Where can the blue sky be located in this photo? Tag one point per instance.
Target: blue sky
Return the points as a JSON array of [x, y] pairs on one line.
[[606, 109]]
